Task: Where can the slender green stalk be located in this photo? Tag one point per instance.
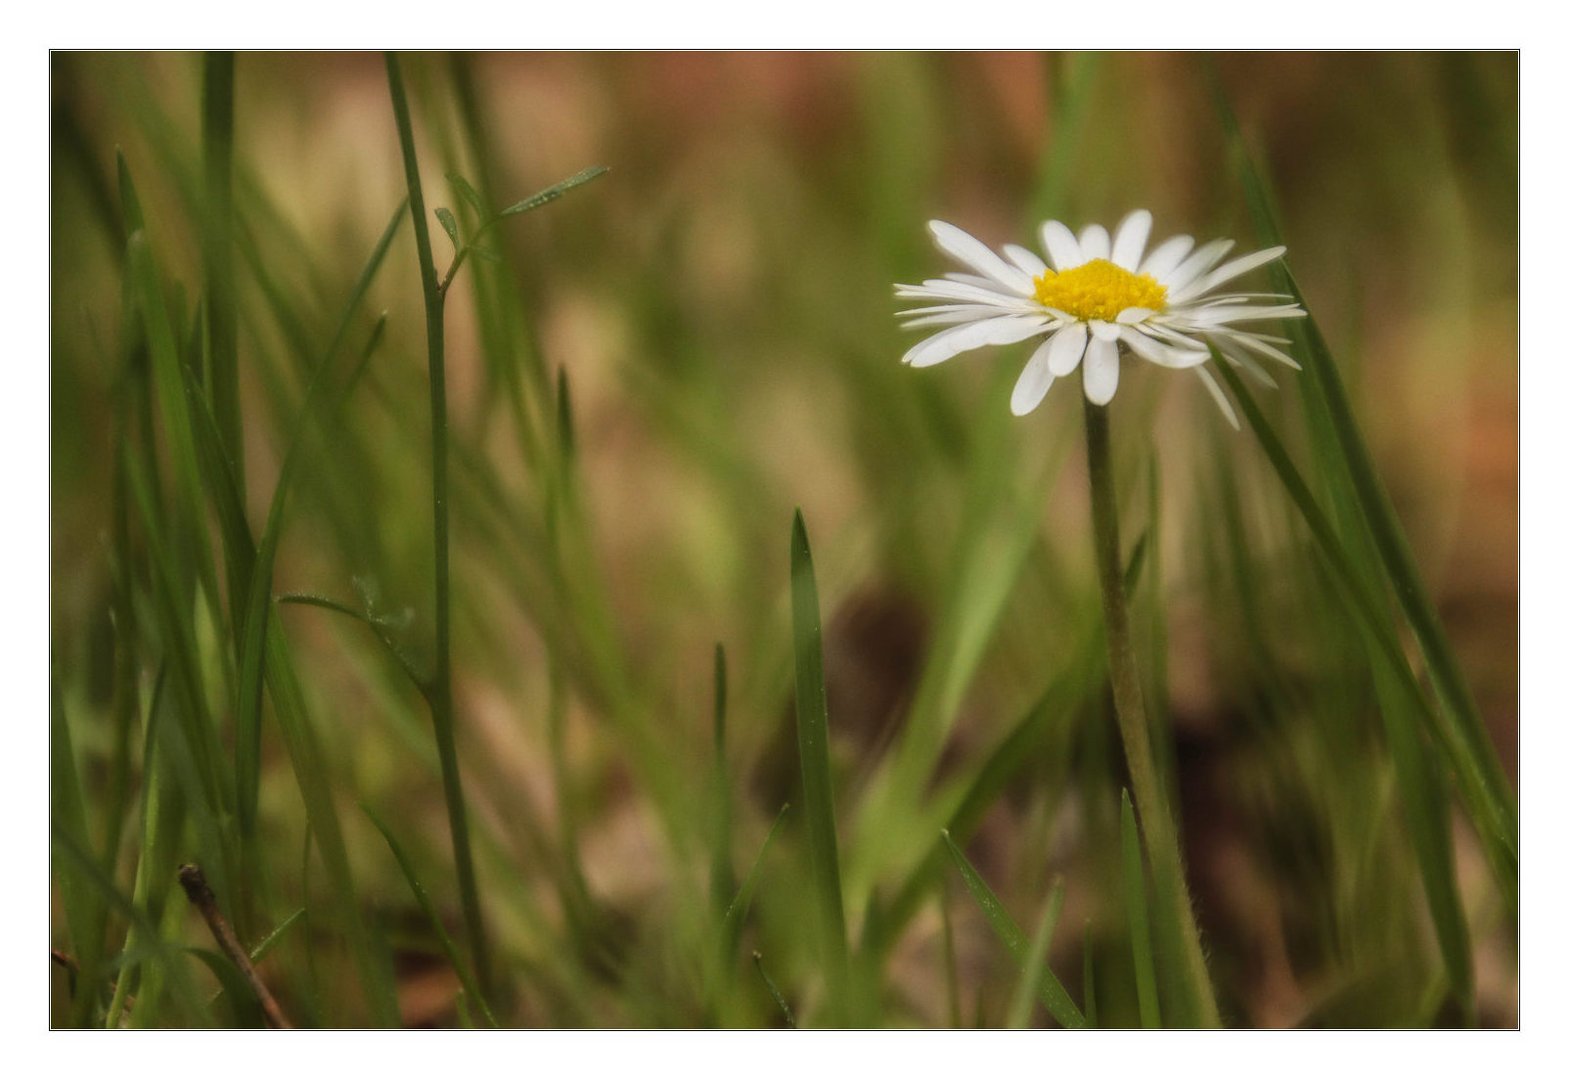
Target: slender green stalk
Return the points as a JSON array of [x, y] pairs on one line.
[[1028, 986], [441, 696], [817, 799], [1048, 988], [220, 306], [1160, 831]]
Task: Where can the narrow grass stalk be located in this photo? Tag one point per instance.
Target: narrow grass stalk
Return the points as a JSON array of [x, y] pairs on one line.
[[773, 990], [1160, 831], [1048, 988], [465, 977], [441, 697], [817, 798], [219, 307], [1025, 991]]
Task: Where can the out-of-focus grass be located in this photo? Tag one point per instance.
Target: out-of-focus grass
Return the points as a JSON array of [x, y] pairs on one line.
[[644, 378]]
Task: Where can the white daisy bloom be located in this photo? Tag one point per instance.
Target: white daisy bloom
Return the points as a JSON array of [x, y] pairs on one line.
[[1093, 294]]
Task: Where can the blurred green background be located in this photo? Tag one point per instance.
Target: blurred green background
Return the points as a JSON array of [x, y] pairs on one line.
[[720, 307]]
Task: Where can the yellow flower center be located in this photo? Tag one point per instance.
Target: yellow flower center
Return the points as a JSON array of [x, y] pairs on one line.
[[1099, 289]]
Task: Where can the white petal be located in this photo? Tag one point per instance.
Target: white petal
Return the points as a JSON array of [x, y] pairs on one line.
[[949, 318], [1134, 232], [1025, 259], [1157, 352], [1164, 259], [1258, 343], [1094, 242], [1252, 367], [1003, 330], [1105, 331], [980, 281], [1034, 380], [1100, 371], [1067, 345], [1129, 316], [1224, 273], [939, 289], [1220, 397], [976, 255], [1233, 313], [1197, 263], [1061, 246]]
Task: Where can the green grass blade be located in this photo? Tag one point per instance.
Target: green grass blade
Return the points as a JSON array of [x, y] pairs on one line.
[[811, 725], [247, 742], [270, 942], [1052, 993], [773, 991], [219, 302], [79, 861], [83, 906], [1402, 708], [1134, 899], [554, 191], [1468, 744], [735, 913], [393, 649], [315, 787], [465, 976], [1027, 989]]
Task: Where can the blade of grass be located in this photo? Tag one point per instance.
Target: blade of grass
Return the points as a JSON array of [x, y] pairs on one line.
[[1133, 898], [735, 913], [247, 747], [1027, 989], [219, 304], [950, 958], [1402, 708], [811, 725], [470, 986], [84, 908], [1050, 990], [773, 991], [81, 862], [1338, 436]]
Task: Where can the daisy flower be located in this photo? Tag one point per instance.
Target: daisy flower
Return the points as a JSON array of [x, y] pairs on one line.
[[1098, 293]]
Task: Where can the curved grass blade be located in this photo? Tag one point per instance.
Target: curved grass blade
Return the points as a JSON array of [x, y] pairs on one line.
[[817, 800], [773, 991], [735, 914], [257, 607], [219, 304], [1050, 989], [1027, 988], [394, 650], [1402, 708], [465, 976], [1338, 436]]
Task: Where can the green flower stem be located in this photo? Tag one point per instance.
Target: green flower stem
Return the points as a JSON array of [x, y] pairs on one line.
[[1160, 831], [441, 689]]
